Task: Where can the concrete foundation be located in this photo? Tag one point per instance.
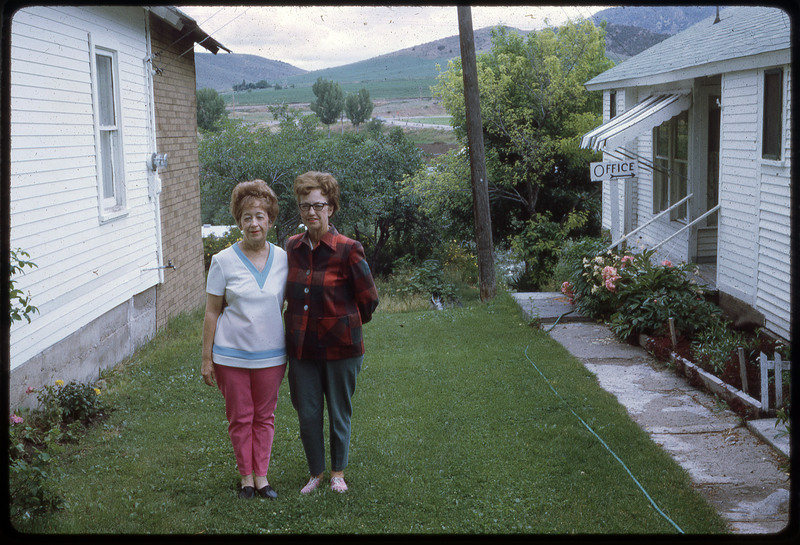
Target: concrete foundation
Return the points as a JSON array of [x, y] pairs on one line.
[[81, 356]]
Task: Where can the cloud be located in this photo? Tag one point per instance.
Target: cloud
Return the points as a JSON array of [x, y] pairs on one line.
[[314, 37]]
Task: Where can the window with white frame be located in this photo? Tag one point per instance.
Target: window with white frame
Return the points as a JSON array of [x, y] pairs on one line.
[[772, 122], [671, 158], [111, 176]]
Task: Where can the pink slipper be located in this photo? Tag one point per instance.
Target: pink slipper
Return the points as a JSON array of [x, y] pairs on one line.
[[312, 484], [338, 484]]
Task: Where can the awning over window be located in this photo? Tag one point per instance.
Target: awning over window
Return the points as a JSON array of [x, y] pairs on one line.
[[648, 114]]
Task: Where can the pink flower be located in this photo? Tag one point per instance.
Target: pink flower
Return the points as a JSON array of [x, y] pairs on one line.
[[667, 263], [626, 259], [16, 419], [30, 390], [610, 276], [609, 271], [566, 289]]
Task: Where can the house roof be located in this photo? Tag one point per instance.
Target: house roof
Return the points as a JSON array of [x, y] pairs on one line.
[[183, 23], [742, 32]]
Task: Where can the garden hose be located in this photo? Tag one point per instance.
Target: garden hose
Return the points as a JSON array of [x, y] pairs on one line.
[[653, 503], [558, 319]]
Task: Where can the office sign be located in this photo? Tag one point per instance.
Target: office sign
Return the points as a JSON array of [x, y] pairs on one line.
[[613, 170]]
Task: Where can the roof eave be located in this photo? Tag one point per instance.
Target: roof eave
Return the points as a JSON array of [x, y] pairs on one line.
[[183, 23], [771, 58]]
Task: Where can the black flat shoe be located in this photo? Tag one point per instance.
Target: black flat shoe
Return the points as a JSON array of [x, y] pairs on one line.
[[267, 492], [246, 492]]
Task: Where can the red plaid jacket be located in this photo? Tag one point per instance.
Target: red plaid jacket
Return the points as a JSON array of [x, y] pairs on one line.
[[330, 294]]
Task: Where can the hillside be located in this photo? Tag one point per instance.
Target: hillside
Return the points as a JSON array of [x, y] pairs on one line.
[[222, 71], [667, 20], [630, 30]]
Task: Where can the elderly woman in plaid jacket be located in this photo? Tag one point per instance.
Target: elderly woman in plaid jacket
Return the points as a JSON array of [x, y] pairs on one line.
[[330, 294]]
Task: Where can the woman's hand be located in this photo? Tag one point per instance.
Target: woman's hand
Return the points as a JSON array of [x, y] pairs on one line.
[[207, 371], [214, 304]]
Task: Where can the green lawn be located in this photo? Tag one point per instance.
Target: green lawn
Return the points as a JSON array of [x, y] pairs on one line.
[[454, 431]]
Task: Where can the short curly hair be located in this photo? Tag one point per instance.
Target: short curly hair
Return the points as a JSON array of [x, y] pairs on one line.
[[324, 181], [246, 192]]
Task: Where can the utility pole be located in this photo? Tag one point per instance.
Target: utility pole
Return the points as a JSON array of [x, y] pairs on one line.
[[477, 157]]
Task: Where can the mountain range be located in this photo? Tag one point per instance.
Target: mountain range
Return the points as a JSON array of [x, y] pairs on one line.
[[629, 31]]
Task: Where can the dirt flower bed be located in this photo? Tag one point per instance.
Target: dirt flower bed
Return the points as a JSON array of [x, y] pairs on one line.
[[639, 295], [755, 343]]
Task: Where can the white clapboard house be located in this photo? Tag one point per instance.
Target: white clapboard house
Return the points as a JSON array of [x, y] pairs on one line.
[[104, 183], [706, 116]]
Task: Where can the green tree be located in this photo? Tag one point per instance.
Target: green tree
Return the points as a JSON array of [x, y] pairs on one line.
[[210, 109], [444, 193], [329, 103], [239, 152], [534, 109], [369, 167], [358, 107]]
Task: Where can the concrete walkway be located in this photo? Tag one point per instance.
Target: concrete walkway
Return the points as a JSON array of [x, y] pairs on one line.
[[741, 470]]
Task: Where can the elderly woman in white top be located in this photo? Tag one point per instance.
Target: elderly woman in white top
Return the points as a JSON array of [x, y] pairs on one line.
[[244, 347]]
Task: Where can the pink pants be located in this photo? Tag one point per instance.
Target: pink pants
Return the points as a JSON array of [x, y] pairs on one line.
[[250, 399]]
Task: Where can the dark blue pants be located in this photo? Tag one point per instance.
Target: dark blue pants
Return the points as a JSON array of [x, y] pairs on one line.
[[312, 383]]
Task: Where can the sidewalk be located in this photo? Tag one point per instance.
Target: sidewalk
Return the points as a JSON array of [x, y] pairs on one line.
[[741, 471]]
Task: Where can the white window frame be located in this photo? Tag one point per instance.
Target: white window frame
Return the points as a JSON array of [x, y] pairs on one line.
[[675, 173], [110, 159]]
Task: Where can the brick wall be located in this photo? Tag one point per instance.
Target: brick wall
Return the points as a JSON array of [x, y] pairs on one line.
[[176, 135]]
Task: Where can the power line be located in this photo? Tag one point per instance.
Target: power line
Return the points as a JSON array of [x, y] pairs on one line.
[[208, 36]]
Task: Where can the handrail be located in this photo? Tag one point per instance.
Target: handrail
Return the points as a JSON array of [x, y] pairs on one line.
[[685, 227], [654, 218]]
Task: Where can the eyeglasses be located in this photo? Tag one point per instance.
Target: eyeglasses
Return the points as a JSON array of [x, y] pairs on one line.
[[318, 206]]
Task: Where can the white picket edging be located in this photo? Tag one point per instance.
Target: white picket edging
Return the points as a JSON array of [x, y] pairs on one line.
[[778, 366]]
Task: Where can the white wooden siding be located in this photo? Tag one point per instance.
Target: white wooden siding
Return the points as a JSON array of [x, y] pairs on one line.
[[85, 267], [774, 235], [738, 196]]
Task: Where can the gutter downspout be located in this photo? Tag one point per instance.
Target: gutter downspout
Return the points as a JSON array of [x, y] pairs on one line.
[[153, 178]]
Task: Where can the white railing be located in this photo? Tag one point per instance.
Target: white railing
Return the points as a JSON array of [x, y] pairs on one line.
[[654, 218], [687, 226]]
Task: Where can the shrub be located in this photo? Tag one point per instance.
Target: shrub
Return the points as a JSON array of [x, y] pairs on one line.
[[69, 402], [31, 468], [539, 246], [594, 284], [460, 262], [36, 437], [650, 294], [426, 278], [715, 345]]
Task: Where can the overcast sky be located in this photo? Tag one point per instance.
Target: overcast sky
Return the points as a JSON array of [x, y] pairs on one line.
[[318, 37]]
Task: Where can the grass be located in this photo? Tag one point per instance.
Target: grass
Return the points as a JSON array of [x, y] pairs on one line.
[[453, 432]]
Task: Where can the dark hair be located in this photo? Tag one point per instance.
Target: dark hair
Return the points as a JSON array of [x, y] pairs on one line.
[[245, 192], [324, 181]]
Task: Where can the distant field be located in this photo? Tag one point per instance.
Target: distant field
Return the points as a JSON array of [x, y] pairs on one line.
[[403, 77], [378, 90]]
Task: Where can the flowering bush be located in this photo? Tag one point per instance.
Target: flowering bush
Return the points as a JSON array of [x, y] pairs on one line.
[[632, 293], [69, 402], [36, 437], [648, 295], [596, 295]]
